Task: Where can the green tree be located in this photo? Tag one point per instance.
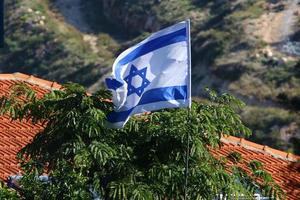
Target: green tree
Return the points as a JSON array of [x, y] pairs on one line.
[[145, 160], [7, 194]]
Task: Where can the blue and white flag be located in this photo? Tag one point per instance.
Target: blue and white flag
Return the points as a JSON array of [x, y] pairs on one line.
[[154, 74]]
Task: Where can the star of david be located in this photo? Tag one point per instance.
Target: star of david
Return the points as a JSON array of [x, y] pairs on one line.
[[136, 81]]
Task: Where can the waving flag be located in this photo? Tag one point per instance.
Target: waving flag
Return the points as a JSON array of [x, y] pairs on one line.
[[152, 75]]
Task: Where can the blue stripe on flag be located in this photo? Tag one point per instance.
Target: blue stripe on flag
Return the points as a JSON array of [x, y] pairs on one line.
[[152, 45], [112, 84], [151, 96]]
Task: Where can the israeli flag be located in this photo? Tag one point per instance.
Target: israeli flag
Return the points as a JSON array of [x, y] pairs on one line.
[[154, 74]]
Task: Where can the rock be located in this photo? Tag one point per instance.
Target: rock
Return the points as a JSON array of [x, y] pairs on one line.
[[284, 59], [43, 17], [86, 38], [29, 10], [41, 22], [257, 55], [37, 12], [288, 131], [122, 18], [269, 53]]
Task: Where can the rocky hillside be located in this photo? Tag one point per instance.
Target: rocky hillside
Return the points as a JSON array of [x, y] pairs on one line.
[[40, 41], [250, 48]]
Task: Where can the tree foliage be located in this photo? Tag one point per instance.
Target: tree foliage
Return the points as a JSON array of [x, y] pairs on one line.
[[143, 161], [6, 193]]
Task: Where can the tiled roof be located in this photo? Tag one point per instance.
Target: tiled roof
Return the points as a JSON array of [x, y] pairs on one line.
[[9, 79], [14, 135], [284, 167]]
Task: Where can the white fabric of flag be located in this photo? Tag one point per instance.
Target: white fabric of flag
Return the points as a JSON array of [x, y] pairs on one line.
[[154, 74]]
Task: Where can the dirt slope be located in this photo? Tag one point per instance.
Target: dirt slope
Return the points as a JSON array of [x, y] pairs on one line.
[[277, 24]]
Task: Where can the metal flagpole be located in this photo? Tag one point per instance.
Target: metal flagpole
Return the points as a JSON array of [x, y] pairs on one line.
[[189, 109], [187, 157]]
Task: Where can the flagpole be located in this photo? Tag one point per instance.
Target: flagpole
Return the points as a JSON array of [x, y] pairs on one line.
[[189, 109]]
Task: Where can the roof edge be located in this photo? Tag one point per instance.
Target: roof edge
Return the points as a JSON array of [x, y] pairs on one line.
[[260, 148], [50, 85]]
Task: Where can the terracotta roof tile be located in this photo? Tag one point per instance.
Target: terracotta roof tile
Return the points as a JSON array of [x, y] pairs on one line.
[[9, 79], [14, 135], [284, 167]]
